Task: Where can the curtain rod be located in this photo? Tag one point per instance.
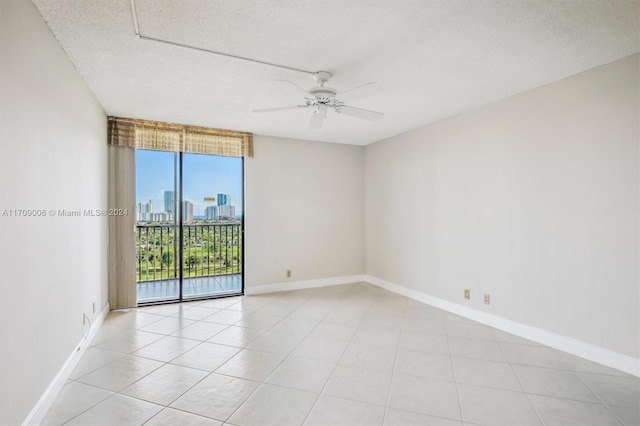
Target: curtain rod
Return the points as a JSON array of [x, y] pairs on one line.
[[157, 40]]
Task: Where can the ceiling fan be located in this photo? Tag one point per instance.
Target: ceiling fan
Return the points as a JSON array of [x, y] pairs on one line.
[[321, 98]]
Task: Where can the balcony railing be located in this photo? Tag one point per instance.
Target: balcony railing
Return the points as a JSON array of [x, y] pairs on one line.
[[207, 249]]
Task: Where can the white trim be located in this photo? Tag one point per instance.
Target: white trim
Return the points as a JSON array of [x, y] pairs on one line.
[[573, 346], [299, 285], [36, 416]]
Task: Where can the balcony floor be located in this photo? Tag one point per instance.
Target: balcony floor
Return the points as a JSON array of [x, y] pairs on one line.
[[165, 290]]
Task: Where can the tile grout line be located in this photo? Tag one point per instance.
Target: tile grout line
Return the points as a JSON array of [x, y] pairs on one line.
[[556, 352], [453, 369], [199, 381], [395, 362], [203, 378], [600, 399], [99, 402], [98, 368], [431, 335], [131, 354], [521, 385], [93, 406], [164, 363], [280, 363], [317, 296], [241, 349], [564, 370], [125, 354], [336, 363]]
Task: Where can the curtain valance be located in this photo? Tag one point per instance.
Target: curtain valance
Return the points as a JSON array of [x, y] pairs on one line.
[[157, 135]]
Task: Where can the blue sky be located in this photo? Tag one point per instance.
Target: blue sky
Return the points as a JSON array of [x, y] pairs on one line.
[[203, 176]]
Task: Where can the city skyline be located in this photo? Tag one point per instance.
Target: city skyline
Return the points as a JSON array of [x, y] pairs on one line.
[[203, 176], [146, 212]]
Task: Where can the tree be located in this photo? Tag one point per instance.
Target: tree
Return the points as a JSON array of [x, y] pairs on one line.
[[192, 261]]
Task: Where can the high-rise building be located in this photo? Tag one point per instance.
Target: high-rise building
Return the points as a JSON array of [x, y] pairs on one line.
[[227, 212], [211, 213], [145, 211], [160, 217], [224, 199], [169, 201], [187, 211]]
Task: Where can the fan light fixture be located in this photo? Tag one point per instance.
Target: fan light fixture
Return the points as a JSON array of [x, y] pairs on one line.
[[322, 98]]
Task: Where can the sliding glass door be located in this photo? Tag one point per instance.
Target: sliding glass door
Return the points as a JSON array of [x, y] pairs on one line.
[[157, 226], [189, 232], [211, 225]]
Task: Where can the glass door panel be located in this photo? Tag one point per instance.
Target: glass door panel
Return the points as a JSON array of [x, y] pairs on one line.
[[212, 206], [157, 263]]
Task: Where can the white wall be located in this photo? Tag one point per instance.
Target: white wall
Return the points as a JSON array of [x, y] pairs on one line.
[[533, 199], [54, 156], [304, 204]]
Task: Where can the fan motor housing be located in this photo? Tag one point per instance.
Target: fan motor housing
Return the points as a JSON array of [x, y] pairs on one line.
[[323, 92]]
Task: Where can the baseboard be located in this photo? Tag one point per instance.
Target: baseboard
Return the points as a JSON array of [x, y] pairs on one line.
[[570, 345], [36, 416], [299, 285]]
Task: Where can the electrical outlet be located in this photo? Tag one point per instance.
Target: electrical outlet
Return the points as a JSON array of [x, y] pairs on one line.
[[467, 293], [487, 300], [93, 307], [288, 273]]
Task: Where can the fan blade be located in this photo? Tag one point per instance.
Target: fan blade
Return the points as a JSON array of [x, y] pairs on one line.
[[281, 108], [360, 113], [360, 92], [296, 86], [316, 120]]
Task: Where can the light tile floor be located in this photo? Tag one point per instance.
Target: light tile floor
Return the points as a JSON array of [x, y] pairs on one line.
[[344, 355]]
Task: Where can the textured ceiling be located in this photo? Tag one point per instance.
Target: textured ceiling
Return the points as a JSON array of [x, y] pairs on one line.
[[434, 58]]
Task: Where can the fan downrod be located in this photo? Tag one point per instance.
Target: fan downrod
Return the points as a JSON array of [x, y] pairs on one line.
[[321, 77]]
